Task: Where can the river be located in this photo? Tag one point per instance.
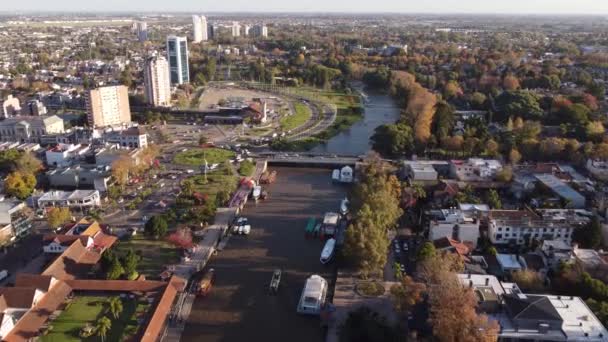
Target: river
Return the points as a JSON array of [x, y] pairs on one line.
[[380, 109]]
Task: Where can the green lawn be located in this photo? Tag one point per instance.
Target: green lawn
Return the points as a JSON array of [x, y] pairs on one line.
[[221, 179], [155, 254], [197, 156], [297, 119], [87, 309]]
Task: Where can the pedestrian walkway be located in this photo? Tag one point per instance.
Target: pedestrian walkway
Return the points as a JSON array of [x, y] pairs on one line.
[[197, 261]]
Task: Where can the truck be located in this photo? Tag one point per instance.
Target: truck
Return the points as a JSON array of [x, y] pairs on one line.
[[330, 224]]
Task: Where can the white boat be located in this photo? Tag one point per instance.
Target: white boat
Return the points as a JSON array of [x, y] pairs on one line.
[[344, 206], [313, 296], [335, 175], [346, 174], [257, 191], [328, 251]]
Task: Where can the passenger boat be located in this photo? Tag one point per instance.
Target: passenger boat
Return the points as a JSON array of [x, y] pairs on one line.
[[313, 296], [328, 251]]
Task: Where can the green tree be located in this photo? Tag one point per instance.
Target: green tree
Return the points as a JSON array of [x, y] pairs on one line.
[[443, 120], [102, 326], [115, 307], [188, 188], [156, 227], [28, 163], [393, 139], [58, 216], [129, 262], [493, 199], [115, 270], [246, 168], [519, 103], [426, 251], [202, 139]]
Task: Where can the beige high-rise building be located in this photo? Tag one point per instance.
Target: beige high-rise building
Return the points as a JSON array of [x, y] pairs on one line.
[[108, 106], [156, 81]]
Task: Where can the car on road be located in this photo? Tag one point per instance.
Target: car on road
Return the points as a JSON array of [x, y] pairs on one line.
[[189, 171]]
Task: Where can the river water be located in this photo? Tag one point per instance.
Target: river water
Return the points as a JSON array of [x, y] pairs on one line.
[[380, 109]]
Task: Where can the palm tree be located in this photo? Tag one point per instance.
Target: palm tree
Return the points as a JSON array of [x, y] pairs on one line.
[[115, 307], [102, 326]]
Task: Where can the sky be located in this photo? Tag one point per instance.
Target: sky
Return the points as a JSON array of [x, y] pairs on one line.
[[400, 6]]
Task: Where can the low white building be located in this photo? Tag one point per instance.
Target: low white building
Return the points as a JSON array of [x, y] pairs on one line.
[[454, 224], [522, 226], [10, 107], [30, 128], [510, 263], [556, 252], [64, 155], [598, 168], [133, 137], [81, 199], [475, 169], [420, 172]]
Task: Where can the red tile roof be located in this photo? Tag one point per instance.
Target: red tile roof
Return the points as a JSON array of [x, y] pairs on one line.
[[159, 317]]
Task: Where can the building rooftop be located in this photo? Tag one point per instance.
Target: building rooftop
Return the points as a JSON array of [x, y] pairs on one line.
[[560, 188], [508, 261]]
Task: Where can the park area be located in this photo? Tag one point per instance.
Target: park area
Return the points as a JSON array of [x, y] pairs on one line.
[[197, 156], [155, 254], [299, 118], [82, 313]]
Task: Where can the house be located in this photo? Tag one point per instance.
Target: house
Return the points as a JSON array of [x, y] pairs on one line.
[[571, 197], [522, 226], [475, 169], [63, 155], [534, 317], [133, 137], [598, 168], [556, 252], [510, 263], [107, 156], [82, 199], [420, 172], [88, 232], [80, 176], [463, 250], [455, 224], [10, 107]]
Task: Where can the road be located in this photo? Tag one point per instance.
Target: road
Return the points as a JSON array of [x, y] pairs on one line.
[[239, 307]]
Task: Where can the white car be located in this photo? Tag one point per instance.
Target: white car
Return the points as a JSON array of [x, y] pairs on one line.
[[189, 171], [245, 229]]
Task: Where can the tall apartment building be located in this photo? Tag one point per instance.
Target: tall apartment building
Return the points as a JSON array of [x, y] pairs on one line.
[[141, 29], [199, 25], [177, 54], [236, 29], [210, 31], [197, 29], [108, 106], [260, 31], [157, 84]]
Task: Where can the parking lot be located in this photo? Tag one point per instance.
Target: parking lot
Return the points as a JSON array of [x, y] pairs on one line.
[[239, 307]]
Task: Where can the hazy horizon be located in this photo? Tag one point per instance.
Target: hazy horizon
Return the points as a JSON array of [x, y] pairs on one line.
[[537, 7]]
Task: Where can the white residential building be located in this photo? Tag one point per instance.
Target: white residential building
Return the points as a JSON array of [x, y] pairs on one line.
[[30, 128], [133, 137], [108, 106], [204, 29], [10, 107], [598, 168], [420, 171], [80, 199], [454, 224], [157, 84], [523, 226], [197, 29], [475, 169], [63, 155], [260, 31], [141, 30], [236, 29], [36, 108]]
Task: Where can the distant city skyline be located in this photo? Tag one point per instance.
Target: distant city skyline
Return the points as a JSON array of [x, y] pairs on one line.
[[403, 6]]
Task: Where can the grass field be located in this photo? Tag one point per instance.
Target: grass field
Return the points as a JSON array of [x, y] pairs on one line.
[[87, 309], [155, 254], [197, 156], [297, 119], [222, 179]]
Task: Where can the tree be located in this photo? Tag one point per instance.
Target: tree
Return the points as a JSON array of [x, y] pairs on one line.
[[156, 227], [518, 103], [188, 187], [505, 175], [102, 326], [595, 130], [393, 139], [246, 168], [365, 325], [529, 280], [407, 294], [514, 156], [115, 269], [20, 185], [452, 89], [510, 83], [129, 262], [478, 100], [115, 307], [121, 168], [202, 139], [493, 199], [444, 120], [58, 216], [589, 236], [426, 251], [28, 163]]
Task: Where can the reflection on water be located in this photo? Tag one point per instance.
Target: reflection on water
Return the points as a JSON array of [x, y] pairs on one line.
[[380, 109]]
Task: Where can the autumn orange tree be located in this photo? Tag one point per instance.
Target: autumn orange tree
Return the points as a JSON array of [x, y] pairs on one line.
[[453, 307]]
